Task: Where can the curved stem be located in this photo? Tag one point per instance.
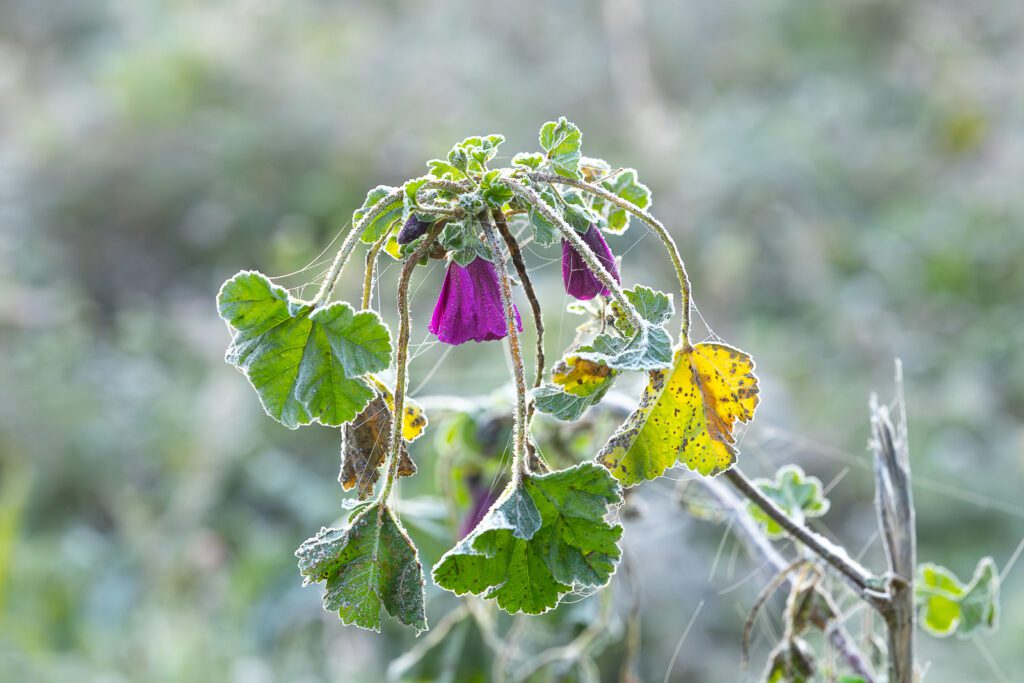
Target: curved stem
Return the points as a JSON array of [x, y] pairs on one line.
[[524, 276], [402, 358], [519, 454], [371, 265], [868, 586], [653, 223], [754, 534], [589, 257], [350, 242]]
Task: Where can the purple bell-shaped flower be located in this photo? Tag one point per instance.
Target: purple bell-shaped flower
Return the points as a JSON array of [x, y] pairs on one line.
[[469, 306], [580, 281]]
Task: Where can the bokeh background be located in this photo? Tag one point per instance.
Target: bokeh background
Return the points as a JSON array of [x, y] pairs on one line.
[[843, 178]]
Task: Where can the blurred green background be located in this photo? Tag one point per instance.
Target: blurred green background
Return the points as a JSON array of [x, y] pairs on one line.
[[844, 180]]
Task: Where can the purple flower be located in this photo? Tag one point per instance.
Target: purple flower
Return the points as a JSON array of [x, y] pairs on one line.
[[579, 280], [469, 306]]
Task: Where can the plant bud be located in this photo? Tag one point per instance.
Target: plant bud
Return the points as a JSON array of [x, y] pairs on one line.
[[413, 229]]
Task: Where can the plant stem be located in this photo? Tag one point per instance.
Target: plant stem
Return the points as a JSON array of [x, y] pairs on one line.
[[371, 265], [538, 318], [894, 508], [350, 242], [519, 455], [867, 585], [840, 638], [653, 223], [589, 257], [401, 359]]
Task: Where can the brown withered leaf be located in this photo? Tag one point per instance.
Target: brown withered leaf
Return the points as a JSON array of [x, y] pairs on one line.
[[364, 446]]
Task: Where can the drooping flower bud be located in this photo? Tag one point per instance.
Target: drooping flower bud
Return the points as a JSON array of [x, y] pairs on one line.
[[412, 229], [580, 281], [469, 305]]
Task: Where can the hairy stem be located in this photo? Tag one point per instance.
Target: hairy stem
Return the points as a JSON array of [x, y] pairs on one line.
[[653, 223], [371, 266], [538, 318], [867, 585], [402, 358], [589, 257], [349, 244], [519, 455]]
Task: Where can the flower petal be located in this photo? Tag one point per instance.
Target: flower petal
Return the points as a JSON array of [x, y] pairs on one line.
[[579, 280], [469, 305]]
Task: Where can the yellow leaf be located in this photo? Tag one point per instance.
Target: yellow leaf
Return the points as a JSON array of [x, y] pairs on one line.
[[414, 419], [581, 377], [686, 414]]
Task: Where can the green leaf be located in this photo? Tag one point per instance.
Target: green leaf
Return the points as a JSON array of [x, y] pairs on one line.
[[461, 240], [439, 168], [380, 225], [561, 141], [533, 160], [686, 415], [649, 349], [479, 150], [370, 563], [653, 306], [545, 233], [304, 364], [409, 203], [539, 541], [494, 192], [562, 405], [458, 158], [577, 213], [798, 495], [625, 185], [945, 606]]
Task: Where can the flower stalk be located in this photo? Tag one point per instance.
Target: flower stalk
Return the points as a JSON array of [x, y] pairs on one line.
[[327, 288], [519, 459], [655, 226], [588, 255], [402, 360], [371, 267], [516, 255]]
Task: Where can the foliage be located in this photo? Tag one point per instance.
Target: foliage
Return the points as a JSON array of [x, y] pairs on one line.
[[947, 606], [173, 507], [686, 415], [540, 539], [304, 364], [799, 495], [369, 564], [546, 535]]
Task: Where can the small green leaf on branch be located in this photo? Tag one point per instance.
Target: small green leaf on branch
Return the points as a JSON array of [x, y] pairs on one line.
[[368, 564], [305, 364], [561, 141], [539, 541]]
